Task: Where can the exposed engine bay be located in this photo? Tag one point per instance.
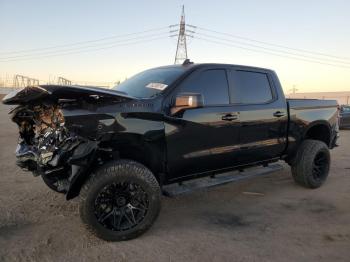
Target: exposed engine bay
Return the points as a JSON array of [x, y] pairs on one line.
[[44, 144], [62, 133]]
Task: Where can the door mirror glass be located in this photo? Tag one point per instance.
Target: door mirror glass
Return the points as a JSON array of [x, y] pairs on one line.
[[186, 101]]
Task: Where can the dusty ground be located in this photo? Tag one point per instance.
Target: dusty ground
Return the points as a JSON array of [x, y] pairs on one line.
[[286, 223]]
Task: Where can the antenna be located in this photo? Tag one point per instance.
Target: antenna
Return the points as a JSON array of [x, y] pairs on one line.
[[181, 49]]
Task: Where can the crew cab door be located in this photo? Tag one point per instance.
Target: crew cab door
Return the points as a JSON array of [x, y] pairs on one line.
[[263, 114], [205, 138]]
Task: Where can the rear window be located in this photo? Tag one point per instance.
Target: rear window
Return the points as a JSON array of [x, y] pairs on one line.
[[251, 87]]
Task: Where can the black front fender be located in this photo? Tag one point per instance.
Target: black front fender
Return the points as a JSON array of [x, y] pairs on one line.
[[81, 162]]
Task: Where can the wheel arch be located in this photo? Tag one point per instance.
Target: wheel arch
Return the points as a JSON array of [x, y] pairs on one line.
[[148, 150], [319, 130]]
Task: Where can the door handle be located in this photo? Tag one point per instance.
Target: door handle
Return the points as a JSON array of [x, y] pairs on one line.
[[229, 117], [279, 114]]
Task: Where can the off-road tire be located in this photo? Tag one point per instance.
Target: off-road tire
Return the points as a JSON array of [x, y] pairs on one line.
[[121, 171], [304, 168]]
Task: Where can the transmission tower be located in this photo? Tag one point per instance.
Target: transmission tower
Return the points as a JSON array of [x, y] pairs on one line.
[[23, 81], [181, 49], [64, 81]]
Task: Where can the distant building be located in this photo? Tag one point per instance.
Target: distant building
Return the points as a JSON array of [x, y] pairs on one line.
[[343, 98]]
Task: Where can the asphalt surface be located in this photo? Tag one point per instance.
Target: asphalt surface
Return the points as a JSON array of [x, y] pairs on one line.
[[276, 220]]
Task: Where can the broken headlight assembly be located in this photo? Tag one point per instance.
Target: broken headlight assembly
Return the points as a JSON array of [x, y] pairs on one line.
[[45, 144]]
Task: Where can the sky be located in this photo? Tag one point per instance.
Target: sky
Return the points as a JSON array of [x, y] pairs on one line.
[[315, 26]]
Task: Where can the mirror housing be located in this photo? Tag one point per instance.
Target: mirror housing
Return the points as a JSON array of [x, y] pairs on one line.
[[187, 101]]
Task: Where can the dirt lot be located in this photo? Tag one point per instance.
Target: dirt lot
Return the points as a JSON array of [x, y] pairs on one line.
[[285, 223]]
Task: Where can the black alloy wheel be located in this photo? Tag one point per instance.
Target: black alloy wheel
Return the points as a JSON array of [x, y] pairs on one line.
[[311, 165], [320, 166], [121, 206], [120, 200]]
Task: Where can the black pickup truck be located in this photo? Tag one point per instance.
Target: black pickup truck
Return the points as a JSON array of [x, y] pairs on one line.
[[117, 148]]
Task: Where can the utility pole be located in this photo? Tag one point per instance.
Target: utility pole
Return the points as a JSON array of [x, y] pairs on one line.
[[294, 89], [181, 49]]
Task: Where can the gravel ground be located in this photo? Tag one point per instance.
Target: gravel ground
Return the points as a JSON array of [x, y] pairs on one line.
[[284, 222]]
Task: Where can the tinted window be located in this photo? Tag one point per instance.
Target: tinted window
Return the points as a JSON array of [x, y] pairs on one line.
[[212, 84], [251, 87], [345, 109]]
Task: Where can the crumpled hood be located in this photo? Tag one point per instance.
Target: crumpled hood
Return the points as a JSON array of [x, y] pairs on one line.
[[56, 92]]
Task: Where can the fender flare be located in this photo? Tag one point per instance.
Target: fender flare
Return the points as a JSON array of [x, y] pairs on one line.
[[323, 123]]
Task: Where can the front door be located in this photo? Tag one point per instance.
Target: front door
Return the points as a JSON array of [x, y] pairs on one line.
[[206, 138]]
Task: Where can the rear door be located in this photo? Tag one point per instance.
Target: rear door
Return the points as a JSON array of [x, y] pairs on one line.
[[263, 114], [207, 138]]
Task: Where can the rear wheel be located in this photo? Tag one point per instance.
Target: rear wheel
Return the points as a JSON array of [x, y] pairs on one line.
[[311, 165], [120, 201]]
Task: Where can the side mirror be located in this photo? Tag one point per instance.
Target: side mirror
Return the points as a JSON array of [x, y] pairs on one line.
[[187, 101]]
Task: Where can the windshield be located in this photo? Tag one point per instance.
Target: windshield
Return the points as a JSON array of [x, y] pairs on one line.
[[149, 83]]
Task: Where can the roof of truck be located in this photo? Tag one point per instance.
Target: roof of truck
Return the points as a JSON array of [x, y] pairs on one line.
[[195, 65]]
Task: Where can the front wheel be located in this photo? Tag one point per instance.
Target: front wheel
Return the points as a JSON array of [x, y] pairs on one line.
[[120, 201], [311, 165]]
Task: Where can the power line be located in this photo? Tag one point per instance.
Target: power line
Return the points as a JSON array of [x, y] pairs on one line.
[[274, 50], [89, 41], [84, 51], [181, 52], [80, 48], [271, 44], [88, 50], [260, 51]]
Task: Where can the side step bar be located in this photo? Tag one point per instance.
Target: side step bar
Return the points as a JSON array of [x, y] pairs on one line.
[[220, 179]]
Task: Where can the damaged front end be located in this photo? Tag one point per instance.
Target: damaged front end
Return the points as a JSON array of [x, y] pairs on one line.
[[47, 145]]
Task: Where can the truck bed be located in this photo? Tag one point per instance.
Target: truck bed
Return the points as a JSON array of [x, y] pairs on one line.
[[300, 104], [302, 115]]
